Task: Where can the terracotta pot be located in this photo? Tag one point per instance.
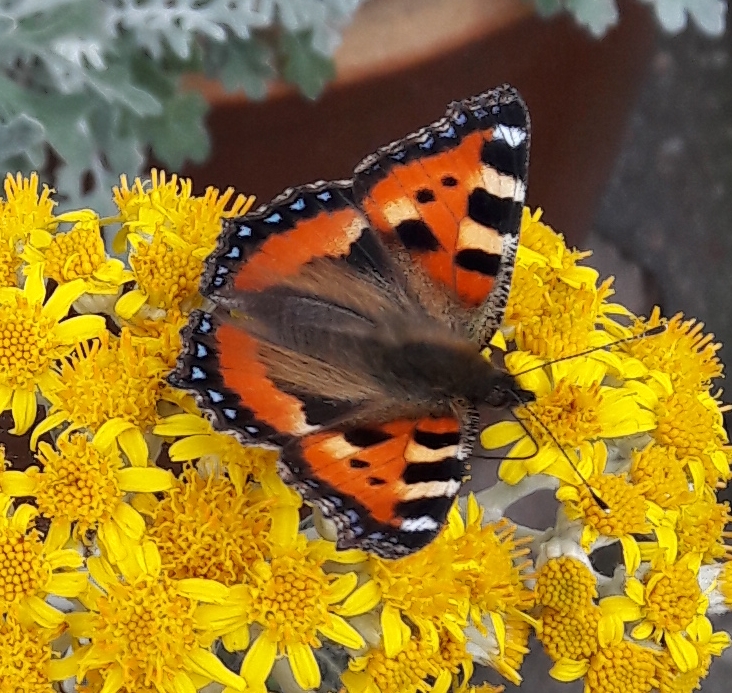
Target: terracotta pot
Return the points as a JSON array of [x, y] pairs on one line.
[[402, 61]]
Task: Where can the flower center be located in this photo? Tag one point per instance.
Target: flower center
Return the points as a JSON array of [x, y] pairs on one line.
[[78, 482], [27, 347], [78, 253], [290, 604], [672, 602], [405, 673], [626, 506], [621, 668], [569, 411], [131, 617], [659, 469], [571, 634], [108, 380], [205, 529], [168, 275], [565, 585], [701, 529], [10, 263], [23, 571]]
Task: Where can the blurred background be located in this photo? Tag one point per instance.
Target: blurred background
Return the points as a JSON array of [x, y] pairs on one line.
[[631, 108]]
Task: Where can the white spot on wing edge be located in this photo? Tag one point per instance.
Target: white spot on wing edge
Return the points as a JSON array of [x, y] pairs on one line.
[[512, 135], [425, 523]]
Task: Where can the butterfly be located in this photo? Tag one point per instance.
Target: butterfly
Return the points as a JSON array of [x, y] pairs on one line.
[[348, 321]]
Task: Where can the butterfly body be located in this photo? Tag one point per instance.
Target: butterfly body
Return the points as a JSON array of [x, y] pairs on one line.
[[349, 319]]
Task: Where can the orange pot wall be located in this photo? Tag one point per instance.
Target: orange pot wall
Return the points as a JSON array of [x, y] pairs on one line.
[[579, 92]]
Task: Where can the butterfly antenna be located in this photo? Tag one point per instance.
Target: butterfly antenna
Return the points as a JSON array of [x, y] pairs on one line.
[[592, 493], [650, 332]]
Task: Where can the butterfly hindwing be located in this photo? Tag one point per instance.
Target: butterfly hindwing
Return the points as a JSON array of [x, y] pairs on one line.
[[451, 194]]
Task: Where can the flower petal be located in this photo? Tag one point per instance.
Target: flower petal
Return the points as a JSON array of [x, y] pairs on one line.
[[145, 479], [363, 599], [207, 664], [79, 328], [501, 434], [203, 590], [16, 483], [57, 306], [24, 411], [259, 660], [130, 303], [569, 669], [68, 585], [304, 666], [340, 631]]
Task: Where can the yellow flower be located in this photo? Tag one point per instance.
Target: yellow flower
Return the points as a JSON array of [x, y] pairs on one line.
[[199, 441], [625, 511], [570, 635], [204, 527], [490, 562], [554, 306], [144, 628], [159, 337], [707, 644], [171, 232], [660, 471], [33, 568], [692, 423], [111, 380], [565, 585], [573, 405], [623, 667], [701, 529], [422, 667], [28, 662], [682, 352], [33, 336], [293, 601], [84, 482], [77, 254], [671, 602]]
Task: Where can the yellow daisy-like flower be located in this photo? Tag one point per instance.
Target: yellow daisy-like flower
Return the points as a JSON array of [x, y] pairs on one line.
[[293, 601], [144, 629], [33, 336], [158, 204], [111, 379], [692, 423], [701, 529], [33, 568], [28, 663], [624, 512], [683, 352], [204, 527], [491, 562], [573, 405], [707, 644], [159, 337], [199, 441], [77, 254], [171, 233], [421, 667], [555, 307], [623, 667], [84, 482], [660, 471], [671, 602], [565, 585], [423, 588]]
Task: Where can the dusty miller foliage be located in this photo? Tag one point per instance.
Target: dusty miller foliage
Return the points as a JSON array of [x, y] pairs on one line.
[[90, 88]]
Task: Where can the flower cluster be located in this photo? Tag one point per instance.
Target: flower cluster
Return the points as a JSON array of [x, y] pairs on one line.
[[143, 551]]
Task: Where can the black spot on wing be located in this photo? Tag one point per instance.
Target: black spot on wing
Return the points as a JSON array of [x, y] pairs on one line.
[[416, 235], [477, 260], [376, 481], [358, 464], [444, 470], [449, 181], [436, 441], [320, 411], [425, 195], [506, 159], [499, 213], [366, 437]]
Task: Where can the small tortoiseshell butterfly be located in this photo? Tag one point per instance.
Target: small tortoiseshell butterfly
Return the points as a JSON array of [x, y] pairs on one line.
[[350, 316]]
